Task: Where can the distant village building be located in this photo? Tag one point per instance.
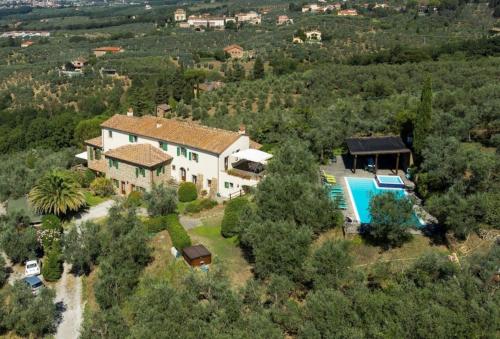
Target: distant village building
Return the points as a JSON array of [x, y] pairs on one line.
[[348, 12], [25, 34], [283, 20], [162, 110], [98, 52], [148, 7], [313, 35], [234, 51], [27, 43], [209, 86], [207, 21], [180, 15], [251, 17]]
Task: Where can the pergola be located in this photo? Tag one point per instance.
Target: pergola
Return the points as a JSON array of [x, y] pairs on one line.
[[376, 146]]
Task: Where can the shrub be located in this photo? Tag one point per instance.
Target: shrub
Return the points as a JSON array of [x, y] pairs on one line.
[[51, 222], [52, 265], [162, 200], [200, 205], [102, 187], [187, 192], [3, 272], [156, 224], [179, 236], [231, 219], [84, 178], [134, 199]]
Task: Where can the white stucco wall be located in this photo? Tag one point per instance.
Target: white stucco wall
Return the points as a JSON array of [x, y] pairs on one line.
[[209, 165]]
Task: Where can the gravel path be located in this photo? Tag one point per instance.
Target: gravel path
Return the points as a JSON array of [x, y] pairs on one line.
[[69, 287], [189, 222]]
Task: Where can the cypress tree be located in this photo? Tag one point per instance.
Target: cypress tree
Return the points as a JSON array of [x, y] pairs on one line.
[[423, 117], [258, 69]]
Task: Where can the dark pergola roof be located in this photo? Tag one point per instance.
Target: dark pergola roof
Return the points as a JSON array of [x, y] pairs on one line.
[[195, 252], [376, 145]]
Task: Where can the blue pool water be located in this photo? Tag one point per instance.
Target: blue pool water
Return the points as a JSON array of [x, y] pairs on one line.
[[361, 192]]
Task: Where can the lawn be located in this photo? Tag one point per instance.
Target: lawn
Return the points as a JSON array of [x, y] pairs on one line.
[[93, 200], [225, 251]]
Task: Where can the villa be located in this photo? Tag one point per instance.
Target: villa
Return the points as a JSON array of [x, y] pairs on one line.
[[208, 21], [234, 51], [348, 12], [138, 152], [251, 17]]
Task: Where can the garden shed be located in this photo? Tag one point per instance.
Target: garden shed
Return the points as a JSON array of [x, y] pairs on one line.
[[197, 255]]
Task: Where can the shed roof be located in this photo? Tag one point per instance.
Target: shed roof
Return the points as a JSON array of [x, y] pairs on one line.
[[195, 252], [97, 142], [376, 145]]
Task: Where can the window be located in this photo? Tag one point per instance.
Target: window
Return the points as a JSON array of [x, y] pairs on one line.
[[110, 133], [226, 163], [116, 183], [194, 179], [209, 182], [91, 153], [160, 170], [193, 156], [140, 171], [173, 167], [228, 184], [97, 154], [164, 146], [231, 185], [132, 138], [113, 163], [184, 152]]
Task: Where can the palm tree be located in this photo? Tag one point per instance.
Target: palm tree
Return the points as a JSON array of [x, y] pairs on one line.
[[58, 193]]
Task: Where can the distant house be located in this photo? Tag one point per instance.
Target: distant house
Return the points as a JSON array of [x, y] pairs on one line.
[[251, 17], [297, 40], [98, 52], [27, 43], [108, 72], [79, 63], [210, 86], [314, 35], [162, 110], [234, 51], [180, 15], [348, 12], [283, 20], [207, 21]]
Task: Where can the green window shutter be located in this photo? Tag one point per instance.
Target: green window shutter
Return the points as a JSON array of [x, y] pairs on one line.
[[226, 184], [130, 138], [136, 172], [178, 151], [163, 169], [110, 163], [189, 155], [158, 171], [164, 146], [91, 153]]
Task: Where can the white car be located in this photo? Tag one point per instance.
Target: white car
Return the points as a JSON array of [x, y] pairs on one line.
[[32, 268]]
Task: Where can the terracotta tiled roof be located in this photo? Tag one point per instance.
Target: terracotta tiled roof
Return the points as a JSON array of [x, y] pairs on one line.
[[139, 154], [230, 47], [97, 141], [108, 49], [97, 165], [178, 132]]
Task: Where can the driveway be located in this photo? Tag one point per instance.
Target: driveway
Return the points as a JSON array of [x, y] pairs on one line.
[[69, 287]]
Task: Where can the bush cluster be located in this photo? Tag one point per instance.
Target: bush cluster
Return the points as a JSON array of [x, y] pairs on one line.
[[231, 219], [102, 187], [200, 205], [156, 224], [187, 192], [179, 236]]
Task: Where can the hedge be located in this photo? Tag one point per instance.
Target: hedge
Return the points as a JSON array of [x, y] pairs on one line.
[[231, 219], [179, 236], [156, 224], [200, 205], [187, 192]]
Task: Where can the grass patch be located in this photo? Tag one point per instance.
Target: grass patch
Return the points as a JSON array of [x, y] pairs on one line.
[[225, 251], [93, 200]]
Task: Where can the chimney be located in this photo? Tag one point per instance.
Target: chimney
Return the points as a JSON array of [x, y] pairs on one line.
[[130, 112], [242, 130]]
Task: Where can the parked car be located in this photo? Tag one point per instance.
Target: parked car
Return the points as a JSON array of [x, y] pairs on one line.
[[34, 283], [32, 268]]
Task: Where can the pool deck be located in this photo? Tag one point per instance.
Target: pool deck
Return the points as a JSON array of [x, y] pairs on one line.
[[340, 171]]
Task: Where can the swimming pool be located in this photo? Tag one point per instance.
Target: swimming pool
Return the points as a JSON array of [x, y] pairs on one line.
[[389, 181], [361, 190]]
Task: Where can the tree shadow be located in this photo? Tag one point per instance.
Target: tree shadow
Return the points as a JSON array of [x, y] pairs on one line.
[[60, 309], [436, 234]]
